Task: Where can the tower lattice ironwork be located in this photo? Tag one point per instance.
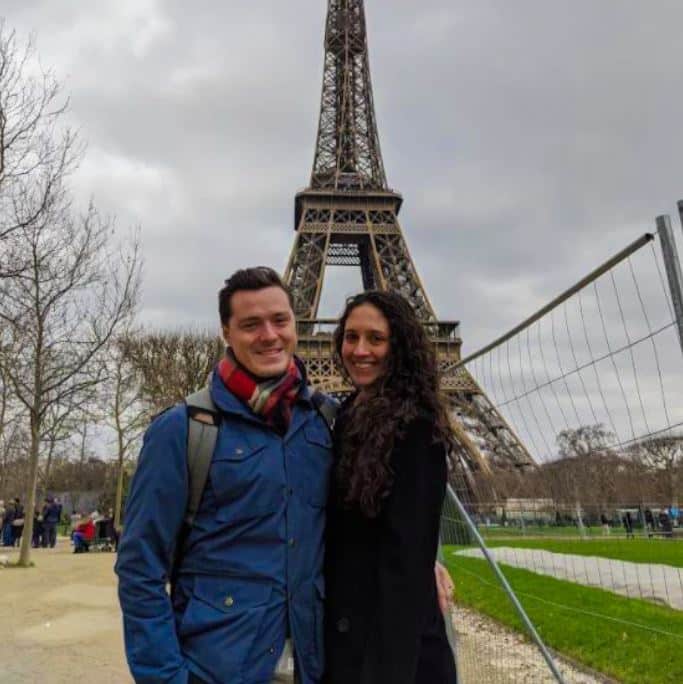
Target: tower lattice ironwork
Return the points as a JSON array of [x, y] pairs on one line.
[[348, 216]]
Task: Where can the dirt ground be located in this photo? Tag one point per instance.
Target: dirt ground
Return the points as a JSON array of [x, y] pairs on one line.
[[60, 623]]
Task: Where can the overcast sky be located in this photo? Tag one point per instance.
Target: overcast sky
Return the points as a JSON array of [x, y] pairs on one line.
[[530, 139]]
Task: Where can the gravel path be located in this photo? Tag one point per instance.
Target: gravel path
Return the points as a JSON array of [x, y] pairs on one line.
[[490, 654], [651, 581]]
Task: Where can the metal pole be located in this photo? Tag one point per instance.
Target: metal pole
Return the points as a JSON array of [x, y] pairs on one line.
[[506, 586], [673, 269], [579, 521], [593, 275]]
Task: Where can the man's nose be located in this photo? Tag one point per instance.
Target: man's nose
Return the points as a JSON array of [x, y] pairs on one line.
[[268, 332]]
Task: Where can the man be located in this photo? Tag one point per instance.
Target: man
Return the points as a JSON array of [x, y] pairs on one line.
[[247, 586], [50, 520], [38, 530]]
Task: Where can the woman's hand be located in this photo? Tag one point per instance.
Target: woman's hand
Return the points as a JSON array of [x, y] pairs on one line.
[[444, 587]]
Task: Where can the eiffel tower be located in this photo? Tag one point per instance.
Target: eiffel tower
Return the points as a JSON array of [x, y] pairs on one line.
[[348, 216]]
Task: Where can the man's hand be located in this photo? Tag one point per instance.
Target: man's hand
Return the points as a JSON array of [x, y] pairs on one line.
[[444, 587]]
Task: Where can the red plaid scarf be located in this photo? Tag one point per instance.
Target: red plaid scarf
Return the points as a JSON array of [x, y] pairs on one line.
[[273, 398]]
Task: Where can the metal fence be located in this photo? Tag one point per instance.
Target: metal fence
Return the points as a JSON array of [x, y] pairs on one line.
[[573, 570]]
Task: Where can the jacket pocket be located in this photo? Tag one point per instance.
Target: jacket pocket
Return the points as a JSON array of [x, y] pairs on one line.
[[222, 621], [242, 482]]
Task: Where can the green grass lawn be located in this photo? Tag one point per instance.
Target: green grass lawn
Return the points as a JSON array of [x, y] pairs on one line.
[[631, 640], [656, 550]]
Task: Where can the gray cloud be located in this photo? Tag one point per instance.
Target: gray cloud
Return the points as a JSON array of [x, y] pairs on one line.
[[530, 140]]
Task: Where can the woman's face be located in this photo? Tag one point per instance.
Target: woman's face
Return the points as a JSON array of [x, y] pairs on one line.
[[366, 345]]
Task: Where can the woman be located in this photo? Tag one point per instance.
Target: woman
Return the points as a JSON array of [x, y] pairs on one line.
[[83, 535], [392, 437]]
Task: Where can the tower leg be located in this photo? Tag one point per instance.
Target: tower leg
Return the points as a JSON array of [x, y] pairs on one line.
[[305, 272]]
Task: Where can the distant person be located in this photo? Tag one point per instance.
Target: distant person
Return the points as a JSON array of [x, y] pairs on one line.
[[7, 519], [50, 522], [37, 536], [83, 535], [17, 522], [60, 508], [606, 529], [650, 522], [628, 524], [665, 524]]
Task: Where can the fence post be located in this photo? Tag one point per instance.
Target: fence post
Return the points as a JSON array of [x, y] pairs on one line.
[[673, 268], [535, 637], [579, 520]]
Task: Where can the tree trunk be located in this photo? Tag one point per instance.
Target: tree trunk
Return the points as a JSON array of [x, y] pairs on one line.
[[48, 465], [29, 506], [119, 486]]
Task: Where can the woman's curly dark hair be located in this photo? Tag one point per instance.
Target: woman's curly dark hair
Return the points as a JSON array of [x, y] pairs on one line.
[[408, 389]]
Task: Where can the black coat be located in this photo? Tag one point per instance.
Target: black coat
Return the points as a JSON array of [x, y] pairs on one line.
[[382, 620]]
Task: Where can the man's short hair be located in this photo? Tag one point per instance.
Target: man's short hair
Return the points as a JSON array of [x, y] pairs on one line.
[[254, 278]]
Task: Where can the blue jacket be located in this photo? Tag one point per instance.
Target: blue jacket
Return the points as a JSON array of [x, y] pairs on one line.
[[253, 560], [51, 514]]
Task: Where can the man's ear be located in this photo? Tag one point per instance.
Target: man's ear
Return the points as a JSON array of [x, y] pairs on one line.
[[226, 334]]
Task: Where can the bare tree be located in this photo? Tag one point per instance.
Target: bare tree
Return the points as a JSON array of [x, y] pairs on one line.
[[61, 422], [10, 432], [171, 365], [584, 441], [58, 316], [65, 288], [663, 456], [126, 413], [36, 153]]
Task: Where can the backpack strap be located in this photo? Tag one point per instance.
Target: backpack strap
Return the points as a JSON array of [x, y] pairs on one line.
[[203, 421], [327, 407]]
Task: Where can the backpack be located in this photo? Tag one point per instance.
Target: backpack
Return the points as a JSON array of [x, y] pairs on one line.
[[204, 419]]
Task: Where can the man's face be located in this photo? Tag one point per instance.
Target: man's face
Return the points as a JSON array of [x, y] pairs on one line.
[[261, 330]]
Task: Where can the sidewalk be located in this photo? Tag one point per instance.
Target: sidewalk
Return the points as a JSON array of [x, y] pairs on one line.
[[60, 620]]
